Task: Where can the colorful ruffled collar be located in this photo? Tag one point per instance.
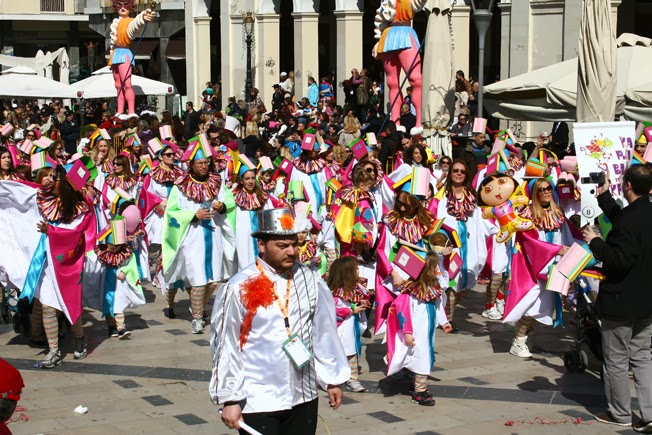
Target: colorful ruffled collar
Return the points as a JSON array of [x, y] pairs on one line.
[[50, 206], [248, 201], [353, 195], [463, 208], [111, 259], [199, 191], [549, 222], [309, 166], [308, 251], [119, 181], [359, 294], [106, 166], [415, 290], [164, 176], [268, 187], [410, 230]]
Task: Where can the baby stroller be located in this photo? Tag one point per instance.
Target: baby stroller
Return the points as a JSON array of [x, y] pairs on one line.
[[13, 310], [588, 328]]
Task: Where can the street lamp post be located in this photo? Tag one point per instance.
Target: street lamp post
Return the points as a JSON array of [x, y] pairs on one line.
[[482, 19], [248, 25]]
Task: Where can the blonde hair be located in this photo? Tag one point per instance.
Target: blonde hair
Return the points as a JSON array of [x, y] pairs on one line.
[[251, 129], [538, 213], [351, 124], [95, 151]]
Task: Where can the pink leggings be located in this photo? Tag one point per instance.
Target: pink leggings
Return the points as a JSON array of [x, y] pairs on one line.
[[122, 74], [393, 62]]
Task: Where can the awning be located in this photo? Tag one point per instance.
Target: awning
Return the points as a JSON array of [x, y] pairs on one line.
[[145, 49], [176, 49]]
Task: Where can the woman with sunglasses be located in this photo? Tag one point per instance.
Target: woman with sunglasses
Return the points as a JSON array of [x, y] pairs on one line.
[[460, 213], [121, 178], [552, 227], [440, 172], [154, 197], [415, 156]]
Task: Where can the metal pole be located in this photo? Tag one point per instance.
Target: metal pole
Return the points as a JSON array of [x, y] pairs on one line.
[[248, 81], [482, 19]]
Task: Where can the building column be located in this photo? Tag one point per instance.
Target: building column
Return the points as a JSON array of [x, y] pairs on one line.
[[349, 55], [267, 55], [198, 51], [460, 22], [73, 50], [306, 56]]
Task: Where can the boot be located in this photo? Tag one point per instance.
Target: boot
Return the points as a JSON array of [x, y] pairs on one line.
[[519, 348]]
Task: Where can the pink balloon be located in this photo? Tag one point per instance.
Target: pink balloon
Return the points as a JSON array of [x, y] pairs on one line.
[[132, 216]]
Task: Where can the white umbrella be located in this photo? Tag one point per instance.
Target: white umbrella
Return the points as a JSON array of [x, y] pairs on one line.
[[21, 81], [550, 93], [596, 74], [101, 85], [438, 90]]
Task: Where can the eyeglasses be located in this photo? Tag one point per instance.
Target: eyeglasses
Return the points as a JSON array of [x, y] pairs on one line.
[[445, 162], [544, 189], [117, 164], [458, 171], [168, 155]]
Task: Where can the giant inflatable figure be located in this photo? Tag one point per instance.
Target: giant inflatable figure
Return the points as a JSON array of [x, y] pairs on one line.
[[398, 48], [123, 31]]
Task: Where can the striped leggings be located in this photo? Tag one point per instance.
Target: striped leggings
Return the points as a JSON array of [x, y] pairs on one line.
[[118, 321], [51, 326]]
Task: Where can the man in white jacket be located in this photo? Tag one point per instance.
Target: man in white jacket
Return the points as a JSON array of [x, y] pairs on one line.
[[275, 338]]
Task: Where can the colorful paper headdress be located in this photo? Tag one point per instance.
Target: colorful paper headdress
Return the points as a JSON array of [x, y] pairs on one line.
[[98, 134], [120, 198], [165, 132], [6, 130], [245, 165], [42, 160], [77, 174], [115, 233]]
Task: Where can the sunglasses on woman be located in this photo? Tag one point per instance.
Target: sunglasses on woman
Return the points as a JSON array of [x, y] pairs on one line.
[[445, 162], [117, 164], [545, 189], [168, 155], [458, 171], [369, 170]]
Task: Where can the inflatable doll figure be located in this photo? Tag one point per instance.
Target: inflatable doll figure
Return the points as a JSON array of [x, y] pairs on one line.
[[497, 195], [123, 31]]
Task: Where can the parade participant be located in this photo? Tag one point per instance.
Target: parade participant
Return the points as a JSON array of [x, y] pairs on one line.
[[458, 209], [309, 254], [67, 223], [198, 240], [7, 170], [120, 281], [351, 301], [551, 227], [120, 181], [103, 154], [155, 190], [310, 168], [11, 385], [356, 218], [398, 48], [123, 31], [249, 199], [413, 319], [274, 338], [267, 184]]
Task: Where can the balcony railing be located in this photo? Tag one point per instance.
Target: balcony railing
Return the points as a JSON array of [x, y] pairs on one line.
[[53, 6]]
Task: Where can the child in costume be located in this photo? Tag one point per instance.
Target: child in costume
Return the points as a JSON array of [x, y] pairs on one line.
[[413, 318], [123, 31], [120, 281], [351, 299]]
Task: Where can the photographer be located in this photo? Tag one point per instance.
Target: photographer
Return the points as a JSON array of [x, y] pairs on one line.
[[625, 302]]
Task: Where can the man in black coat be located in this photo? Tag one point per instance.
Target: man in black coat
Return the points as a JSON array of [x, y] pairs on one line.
[[190, 121], [388, 146], [69, 130], [408, 120], [624, 302]]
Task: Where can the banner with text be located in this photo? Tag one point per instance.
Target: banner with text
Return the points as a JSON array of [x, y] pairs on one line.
[[602, 147]]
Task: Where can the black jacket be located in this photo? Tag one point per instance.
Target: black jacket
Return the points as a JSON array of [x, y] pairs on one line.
[[388, 148], [626, 255], [190, 124], [70, 133]]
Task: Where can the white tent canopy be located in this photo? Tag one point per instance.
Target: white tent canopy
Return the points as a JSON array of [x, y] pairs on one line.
[[101, 85], [549, 93], [24, 82]]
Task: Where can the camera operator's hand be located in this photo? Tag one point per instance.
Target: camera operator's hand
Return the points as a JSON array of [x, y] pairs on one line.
[[602, 189], [589, 233]]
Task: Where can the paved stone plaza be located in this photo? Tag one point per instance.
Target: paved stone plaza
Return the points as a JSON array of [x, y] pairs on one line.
[[157, 382]]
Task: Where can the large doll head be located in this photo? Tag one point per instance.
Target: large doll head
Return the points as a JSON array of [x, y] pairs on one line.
[[495, 189], [129, 5]]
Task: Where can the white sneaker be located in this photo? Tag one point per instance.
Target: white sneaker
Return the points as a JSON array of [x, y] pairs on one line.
[[492, 314], [500, 306], [354, 386], [519, 348], [197, 326]]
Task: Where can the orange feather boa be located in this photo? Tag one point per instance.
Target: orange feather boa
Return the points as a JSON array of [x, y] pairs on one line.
[[257, 291]]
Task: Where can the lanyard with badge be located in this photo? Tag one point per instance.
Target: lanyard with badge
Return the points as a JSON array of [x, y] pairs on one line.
[[294, 347]]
